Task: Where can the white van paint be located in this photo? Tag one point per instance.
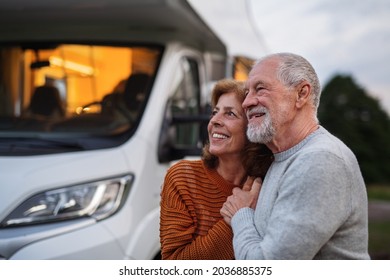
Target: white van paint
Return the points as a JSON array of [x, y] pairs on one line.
[[55, 157]]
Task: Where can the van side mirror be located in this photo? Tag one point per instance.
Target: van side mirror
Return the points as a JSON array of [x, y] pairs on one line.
[[182, 136]]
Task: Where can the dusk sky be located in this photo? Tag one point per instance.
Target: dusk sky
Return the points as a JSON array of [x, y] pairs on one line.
[[338, 37]]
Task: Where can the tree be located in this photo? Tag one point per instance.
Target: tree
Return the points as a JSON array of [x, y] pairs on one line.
[[347, 111]]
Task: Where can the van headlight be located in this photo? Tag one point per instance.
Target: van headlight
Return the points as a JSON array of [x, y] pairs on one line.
[[99, 199]]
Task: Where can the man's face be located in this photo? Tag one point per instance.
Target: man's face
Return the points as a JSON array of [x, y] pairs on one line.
[[267, 105]]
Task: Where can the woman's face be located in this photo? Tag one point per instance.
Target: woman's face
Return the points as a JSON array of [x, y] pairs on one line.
[[227, 127]]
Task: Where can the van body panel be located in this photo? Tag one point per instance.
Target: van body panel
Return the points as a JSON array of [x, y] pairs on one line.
[[87, 185], [148, 21]]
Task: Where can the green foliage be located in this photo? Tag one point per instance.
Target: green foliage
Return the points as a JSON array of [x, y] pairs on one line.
[[347, 111]]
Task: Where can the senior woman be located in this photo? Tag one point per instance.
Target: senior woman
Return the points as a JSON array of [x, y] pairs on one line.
[[191, 226]]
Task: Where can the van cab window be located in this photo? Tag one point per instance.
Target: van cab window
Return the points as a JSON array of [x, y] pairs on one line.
[[51, 91]]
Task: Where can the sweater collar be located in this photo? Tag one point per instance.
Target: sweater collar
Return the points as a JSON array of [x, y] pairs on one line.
[[288, 153]]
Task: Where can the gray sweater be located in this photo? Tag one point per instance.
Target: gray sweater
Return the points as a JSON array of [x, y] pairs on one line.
[[312, 205]]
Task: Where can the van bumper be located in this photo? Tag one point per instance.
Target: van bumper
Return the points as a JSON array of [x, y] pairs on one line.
[[82, 239]]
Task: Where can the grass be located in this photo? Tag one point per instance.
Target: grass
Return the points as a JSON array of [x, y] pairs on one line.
[[379, 240], [378, 192], [379, 231]]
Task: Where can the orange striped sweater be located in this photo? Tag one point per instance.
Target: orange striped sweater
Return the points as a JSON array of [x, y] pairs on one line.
[[191, 226]]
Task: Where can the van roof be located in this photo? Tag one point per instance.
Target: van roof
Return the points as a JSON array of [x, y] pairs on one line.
[[142, 21]]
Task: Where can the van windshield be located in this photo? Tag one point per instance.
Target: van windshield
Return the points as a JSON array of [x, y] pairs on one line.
[[66, 97]]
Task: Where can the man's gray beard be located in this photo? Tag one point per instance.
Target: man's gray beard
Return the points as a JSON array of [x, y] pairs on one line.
[[263, 133]]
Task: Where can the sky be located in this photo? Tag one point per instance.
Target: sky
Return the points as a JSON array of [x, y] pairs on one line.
[[348, 37]]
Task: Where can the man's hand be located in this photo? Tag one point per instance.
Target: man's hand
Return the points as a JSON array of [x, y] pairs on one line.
[[245, 197]]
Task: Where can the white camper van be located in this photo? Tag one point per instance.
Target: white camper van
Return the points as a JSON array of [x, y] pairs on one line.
[[97, 98]]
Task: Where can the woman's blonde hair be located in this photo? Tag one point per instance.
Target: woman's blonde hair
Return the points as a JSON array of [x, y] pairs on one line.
[[256, 157]]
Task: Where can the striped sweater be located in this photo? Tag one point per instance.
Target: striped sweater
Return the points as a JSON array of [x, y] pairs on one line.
[[191, 226]]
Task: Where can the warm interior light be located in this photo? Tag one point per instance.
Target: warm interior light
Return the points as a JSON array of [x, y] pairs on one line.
[[71, 65]]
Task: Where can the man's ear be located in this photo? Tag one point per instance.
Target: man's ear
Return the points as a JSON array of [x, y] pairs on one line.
[[303, 95]]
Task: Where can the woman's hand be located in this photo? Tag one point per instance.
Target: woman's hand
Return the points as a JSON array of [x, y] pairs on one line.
[[245, 197]]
